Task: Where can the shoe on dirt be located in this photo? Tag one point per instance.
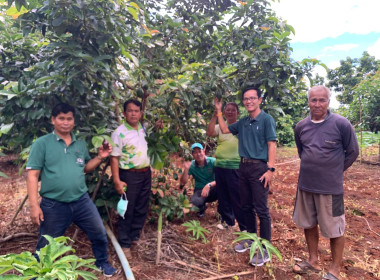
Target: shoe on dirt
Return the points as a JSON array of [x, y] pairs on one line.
[[107, 269], [243, 246], [259, 260]]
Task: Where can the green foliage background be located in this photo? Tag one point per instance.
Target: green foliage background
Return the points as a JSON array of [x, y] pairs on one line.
[[96, 54]]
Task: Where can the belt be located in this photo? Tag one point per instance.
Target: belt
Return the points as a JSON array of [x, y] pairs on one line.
[[250, 160], [145, 169]]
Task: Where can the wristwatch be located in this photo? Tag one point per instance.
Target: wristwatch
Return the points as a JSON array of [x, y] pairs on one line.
[[272, 169], [209, 184]]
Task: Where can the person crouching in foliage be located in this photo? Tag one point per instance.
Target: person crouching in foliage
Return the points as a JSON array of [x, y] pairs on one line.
[[202, 169]]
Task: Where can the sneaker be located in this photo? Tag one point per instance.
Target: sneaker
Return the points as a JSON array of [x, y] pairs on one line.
[[259, 260], [127, 253], [201, 213], [223, 225], [243, 246], [107, 269]]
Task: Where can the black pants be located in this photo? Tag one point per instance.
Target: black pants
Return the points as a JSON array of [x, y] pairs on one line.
[[199, 201], [229, 206], [254, 198], [138, 192]]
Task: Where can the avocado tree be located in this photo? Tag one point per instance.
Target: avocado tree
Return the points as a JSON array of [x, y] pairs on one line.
[[173, 56]]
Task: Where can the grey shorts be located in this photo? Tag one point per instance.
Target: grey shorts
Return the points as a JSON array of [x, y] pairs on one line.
[[325, 210]]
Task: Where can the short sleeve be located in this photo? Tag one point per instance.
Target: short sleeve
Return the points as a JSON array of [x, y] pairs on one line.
[[117, 149], [36, 157], [87, 156], [191, 168], [270, 129], [217, 129], [234, 128]]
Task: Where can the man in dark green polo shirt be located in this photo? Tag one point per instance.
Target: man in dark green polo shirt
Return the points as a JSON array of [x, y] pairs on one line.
[[61, 161], [257, 149], [202, 169]]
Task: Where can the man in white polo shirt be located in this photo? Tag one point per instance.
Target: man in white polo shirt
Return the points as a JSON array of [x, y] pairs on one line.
[[131, 173]]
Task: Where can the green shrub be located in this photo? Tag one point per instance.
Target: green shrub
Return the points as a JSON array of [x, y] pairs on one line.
[[54, 263], [196, 229]]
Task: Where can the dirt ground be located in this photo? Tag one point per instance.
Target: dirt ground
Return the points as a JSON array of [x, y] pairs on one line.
[[183, 258]]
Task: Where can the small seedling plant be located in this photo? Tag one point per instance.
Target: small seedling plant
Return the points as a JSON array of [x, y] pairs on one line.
[[55, 263], [197, 230], [258, 245]]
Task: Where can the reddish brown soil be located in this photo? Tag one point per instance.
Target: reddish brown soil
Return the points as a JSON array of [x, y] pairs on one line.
[[183, 258]]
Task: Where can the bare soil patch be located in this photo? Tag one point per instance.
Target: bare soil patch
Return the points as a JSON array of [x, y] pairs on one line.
[[183, 258]]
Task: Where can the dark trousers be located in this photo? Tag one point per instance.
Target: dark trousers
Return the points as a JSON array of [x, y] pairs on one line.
[[254, 198], [229, 206], [200, 202], [58, 216], [138, 192]]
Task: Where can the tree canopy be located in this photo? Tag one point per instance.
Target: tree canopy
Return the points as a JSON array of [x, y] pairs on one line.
[[357, 81], [174, 56]]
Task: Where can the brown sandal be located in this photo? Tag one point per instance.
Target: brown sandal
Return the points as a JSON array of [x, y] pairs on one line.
[[304, 268]]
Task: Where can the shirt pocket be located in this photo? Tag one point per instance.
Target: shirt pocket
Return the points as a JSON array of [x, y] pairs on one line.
[[330, 140]]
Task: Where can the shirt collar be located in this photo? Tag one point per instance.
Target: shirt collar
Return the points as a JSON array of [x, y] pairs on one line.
[[196, 163], [129, 127], [258, 118], [73, 138], [327, 116]]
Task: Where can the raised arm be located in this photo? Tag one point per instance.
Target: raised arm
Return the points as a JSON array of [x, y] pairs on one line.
[[222, 124], [93, 163], [211, 126]]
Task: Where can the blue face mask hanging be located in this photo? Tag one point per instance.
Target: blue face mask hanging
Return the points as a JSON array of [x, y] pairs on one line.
[[122, 205]]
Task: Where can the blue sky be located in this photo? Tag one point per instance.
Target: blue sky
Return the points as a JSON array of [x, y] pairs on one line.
[[332, 30]]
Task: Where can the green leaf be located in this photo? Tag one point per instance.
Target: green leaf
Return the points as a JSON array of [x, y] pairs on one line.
[[44, 79], [5, 128], [133, 12], [97, 141]]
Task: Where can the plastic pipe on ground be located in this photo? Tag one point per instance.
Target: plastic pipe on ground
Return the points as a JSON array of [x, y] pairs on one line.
[[123, 260]]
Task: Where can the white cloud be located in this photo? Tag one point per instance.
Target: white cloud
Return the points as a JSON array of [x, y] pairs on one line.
[[375, 49], [341, 47], [314, 20]]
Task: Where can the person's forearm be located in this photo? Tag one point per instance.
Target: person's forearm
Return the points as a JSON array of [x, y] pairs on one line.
[[351, 155], [211, 127], [92, 164], [271, 153], [114, 162], [184, 177], [222, 124], [32, 188]]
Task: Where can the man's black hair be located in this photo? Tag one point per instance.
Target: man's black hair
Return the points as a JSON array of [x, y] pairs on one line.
[[62, 108], [133, 101], [251, 88]]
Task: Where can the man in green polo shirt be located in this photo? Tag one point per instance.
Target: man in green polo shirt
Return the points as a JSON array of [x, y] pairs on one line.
[[202, 169], [257, 149], [61, 161]]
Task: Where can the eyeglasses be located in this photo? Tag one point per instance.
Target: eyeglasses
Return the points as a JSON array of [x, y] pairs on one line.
[[252, 98]]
